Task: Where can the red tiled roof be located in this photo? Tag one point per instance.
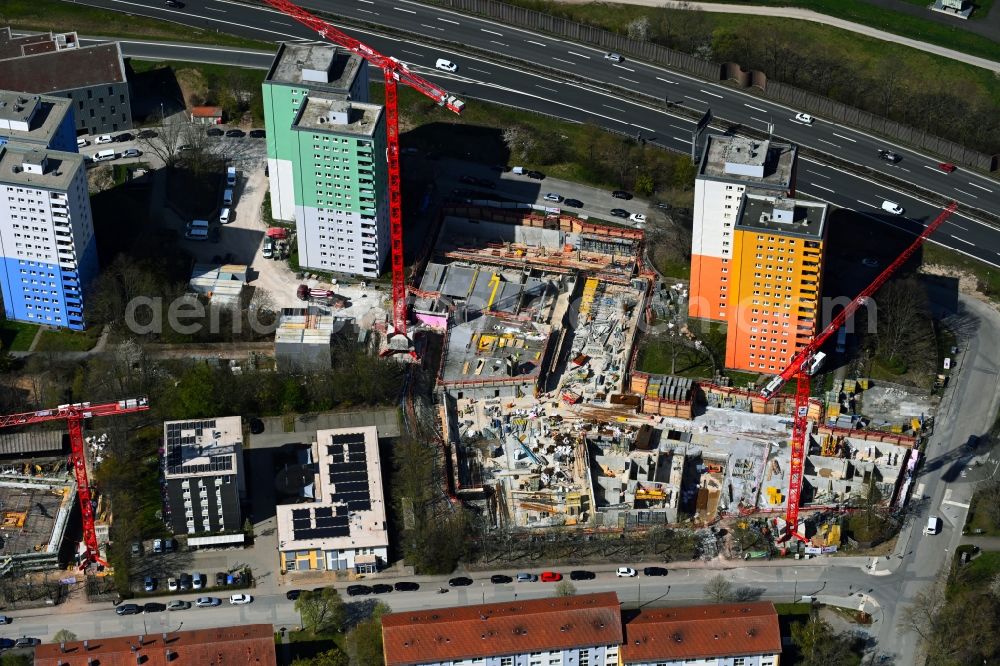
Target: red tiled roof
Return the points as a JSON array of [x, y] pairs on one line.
[[699, 632], [63, 70], [250, 644], [206, 111], [513, 627]]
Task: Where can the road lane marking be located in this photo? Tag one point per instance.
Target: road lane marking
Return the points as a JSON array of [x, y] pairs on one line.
[[213, 9], [755, 108], [968, 194], [535, 43], [760, 120], [829, 142], [681, 128], [981, 187], [681, 140], [423, 25], [613, 108], [700, 101], [627, 69], [444, 20], [481, 71], [544, 88], [822, 188], [498, 34], [962, 240], [493, 41], [367, 2], [629, 80], [959, 226], [866, 203], [408, 11], [710, 93], [645, 128], [412, 53], [578, 55], [817, 173], [565, 61], [934, 169], [954, 503], [287, 25], [673, 83], [375, 14], [847, 138]]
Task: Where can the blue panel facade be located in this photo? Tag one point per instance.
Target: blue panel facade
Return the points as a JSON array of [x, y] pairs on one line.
[[65, 137]]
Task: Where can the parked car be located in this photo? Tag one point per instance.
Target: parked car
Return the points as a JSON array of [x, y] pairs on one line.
[[573, 203], [406, 586], [892, 207], [537, 175], [207, 602], [137, 548], [172, 584], [638, 218], [579, 574], [619, 212], [104, 138], [239, 599], [947, 167], [178, 604], [184, 582], [258, 134], [614, 57], [550, 577], [446, 65], [6, 619], [235, 133], [176, 4], [224, 215], [358, 590], [215, 131], [81, 142], [227, 196], [268, 251], [804, 118], [6, 643], [25, 642], [621, 194], [460, 581], [149, 584], [157, 545], [889, 156], [626, 572], [123, 137], [128, 609], [500, 579], [292, 595], [552, 196], [131, 152], [198, 581], [221, 579], [654, 571], [147, 134], [381, 588], [169, 545], [153, 607], [526, 577]]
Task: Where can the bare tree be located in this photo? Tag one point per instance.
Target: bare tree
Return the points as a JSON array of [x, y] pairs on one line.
[[920, 617], [520, 141], [565, 588], [638, 28], [718, 589], [903, 321]]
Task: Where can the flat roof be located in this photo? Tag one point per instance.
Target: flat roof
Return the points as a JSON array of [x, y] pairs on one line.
[[31, 118], [348, 509], [478, 351], [201, 447], [67, 69], [320, 113], [783, 215], [507, 628], [60, 168], [340, 66], [736, 159]]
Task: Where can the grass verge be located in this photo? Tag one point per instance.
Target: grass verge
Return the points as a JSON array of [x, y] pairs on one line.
[[981, 277], [64, 340], [16, 336], [61, 16]]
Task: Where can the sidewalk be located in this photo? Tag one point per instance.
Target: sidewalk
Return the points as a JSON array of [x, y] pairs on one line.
[[816, 17]]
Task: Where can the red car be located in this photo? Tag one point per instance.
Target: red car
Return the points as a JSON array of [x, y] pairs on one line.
[[947, 167], [550, 577]]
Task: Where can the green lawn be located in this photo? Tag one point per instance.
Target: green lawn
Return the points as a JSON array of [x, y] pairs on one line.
[[16, 335], [987, 277], [976, 575], [61, 16], [64, 340], [979, 520], [656, 359]]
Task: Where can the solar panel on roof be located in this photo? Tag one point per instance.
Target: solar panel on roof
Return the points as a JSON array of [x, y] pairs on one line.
[[300, 513], [323, 511]]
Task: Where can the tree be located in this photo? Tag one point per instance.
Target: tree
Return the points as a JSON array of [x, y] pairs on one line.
[[332, 657], [565, 588], [903, 326], [820, 646], [364, 641], [718, 589], [63, 636], [638, 28], [321, 612]]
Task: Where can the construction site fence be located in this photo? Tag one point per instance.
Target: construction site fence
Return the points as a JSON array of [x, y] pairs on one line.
[[870, 435], [516, 214], [712, 71]]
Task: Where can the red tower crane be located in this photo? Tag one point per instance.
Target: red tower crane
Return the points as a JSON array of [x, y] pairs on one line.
[[74, 415], [807, 359], [394, 72]]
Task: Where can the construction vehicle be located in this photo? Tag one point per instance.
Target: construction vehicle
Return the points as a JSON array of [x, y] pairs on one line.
[[326, 296], [394, 72], [74, 416], [808, 359]]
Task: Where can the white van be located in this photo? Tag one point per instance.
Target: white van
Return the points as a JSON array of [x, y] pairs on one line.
[[197, 234], [198, 224], [104, 155], [933, 525], [227, 197]]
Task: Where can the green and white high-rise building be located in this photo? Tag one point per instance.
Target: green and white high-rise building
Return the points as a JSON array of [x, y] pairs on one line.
[[326, 158]]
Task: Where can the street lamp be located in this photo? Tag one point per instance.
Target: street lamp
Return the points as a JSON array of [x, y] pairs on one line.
[[795, 594], [162, 117], [483, 586]]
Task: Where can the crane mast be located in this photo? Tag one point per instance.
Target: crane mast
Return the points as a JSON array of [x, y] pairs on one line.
[[393, 72], [804, 362]]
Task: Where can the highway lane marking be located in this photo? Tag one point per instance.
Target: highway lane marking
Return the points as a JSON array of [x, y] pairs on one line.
[[962, 240], [372, 13], [755, 108], [829, 142], [408, 11], [968, 194], [412, 53], [613, 108], [493, 41], [934, 169], [673, 83], [959, 226], [213, 9], [822, 188], [865, 203], [444, 20], [481, 71], [578, 55], [710, 93], [817, 173], [367, 2], [287, 25], [700, 101], [645, 128], [629, 80], [565, 61], [760, 120], [424, 25], [239, 25], [981, 187], [680, 128], [627, 69], [544, 88], [846, 138], [681, 140], [498, 34], [535, 43]]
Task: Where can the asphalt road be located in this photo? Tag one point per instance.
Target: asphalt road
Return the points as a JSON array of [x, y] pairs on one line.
[[477, 79]]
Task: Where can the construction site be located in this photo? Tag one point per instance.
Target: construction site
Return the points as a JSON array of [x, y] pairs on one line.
[[37, 498]]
